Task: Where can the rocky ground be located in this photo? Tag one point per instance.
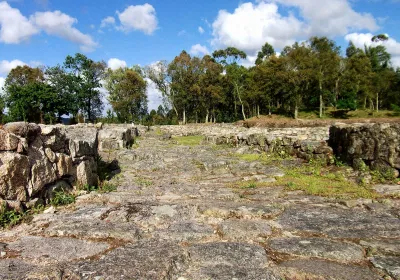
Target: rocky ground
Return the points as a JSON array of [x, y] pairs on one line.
[[178, 215]]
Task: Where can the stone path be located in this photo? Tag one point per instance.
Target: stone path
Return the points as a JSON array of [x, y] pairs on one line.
[[174, 216]]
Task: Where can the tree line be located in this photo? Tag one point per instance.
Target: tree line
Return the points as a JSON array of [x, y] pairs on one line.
[[308, 76]]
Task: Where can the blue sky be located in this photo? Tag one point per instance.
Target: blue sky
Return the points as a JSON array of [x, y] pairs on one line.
[[120, 32]]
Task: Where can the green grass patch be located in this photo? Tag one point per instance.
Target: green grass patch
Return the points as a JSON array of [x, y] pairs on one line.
[[250, 185], [317, 180], [189, 140], [62, 198], [9, 218], [143, 182]]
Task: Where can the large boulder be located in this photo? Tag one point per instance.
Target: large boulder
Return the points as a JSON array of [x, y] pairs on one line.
[[25, 130], [115, 138], [82, 141], [54, 138], [86, 174], [8, 141], [14, 175]]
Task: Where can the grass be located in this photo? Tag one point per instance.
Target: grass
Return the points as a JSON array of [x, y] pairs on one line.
[[62, 198], [314, 178], [250, 185], [189, 140], [144, 182], [104, 187], [9, 218]]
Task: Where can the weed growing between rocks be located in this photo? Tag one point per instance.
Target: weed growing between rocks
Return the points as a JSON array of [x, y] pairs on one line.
[[189, 140], [62, 198], [9, 218]]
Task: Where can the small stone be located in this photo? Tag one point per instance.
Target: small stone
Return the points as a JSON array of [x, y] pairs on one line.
[[50, 210]]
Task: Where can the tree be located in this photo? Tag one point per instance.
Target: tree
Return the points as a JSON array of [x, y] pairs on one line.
[[236, 74], [127, 89], [326, 65], [28, 97], [85, 76], [159, 75], [266, 52], [298, 65]]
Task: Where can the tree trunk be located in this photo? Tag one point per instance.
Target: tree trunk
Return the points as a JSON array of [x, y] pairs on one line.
[[377, 102], [241, 102], [321, 101], [184, 116], [258, 111], [365, 102], [207, 116], [176, 111], [296, 110]]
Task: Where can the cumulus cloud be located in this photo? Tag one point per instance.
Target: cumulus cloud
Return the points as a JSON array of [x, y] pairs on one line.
[[107, 21], [15, 28], [61, 25], [140, 17], [115, 63], [392, 46], [250, 25], [2, 81], [154, 96], [201, 30], [199, 50], [6, 66]]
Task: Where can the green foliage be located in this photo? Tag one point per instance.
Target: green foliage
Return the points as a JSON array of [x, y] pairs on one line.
[[62, 198], [9, 218], [189, 140], [251, 185], [127, 89]]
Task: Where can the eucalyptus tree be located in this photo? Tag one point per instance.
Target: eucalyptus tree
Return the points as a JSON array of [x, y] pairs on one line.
[[266, 52], [235, 73], [85, 76], [326, 61], [127, 93]]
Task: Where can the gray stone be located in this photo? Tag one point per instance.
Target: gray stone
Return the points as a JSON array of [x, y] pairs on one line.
[[237, 229], [8, 141], [391, 264], [82, 141], [115, 138], [319, 269], [385, 246], [14, 174], [149, 259], [318, 247], [25, 130], [85, 174], [43, 250], [187, 231], [341, 223], [387, 189], [228, 261]]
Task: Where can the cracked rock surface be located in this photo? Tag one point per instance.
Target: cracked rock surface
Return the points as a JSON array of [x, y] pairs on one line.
[[175, 215]]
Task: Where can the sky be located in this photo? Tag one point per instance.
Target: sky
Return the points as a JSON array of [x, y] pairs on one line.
[[126, 33]]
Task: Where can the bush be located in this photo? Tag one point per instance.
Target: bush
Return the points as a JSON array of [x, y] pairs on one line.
[[62, 198]]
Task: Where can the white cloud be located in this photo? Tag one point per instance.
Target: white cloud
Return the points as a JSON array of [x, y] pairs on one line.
[[154, 95], [392, 46], [15, 28], [182, 32], [253, 24], [140, 17], [6, 66], [201, 30], [199, 49], [107, 21], [115, 63], [2, 81], [61, 25]]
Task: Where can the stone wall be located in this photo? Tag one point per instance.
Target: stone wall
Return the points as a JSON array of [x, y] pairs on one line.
[[35, 159], [373, 145], [305, 142]]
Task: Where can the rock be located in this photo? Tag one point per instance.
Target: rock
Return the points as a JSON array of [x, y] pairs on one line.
[[56, 187], [25, 130], [187, 231], [389, 246], [391, 264], [44, 250], [237, 229], [33, 203], [15, 205], [147, 259], [99, 125], [85, 175], [387, 189], [340, 223], [318, 247], [50, 210], [50, 155], [14, 174], [8, 141], [217, 260], [42, 173], [82, 141], [64, 165], [320, 269], [54, 137], [115, 138]]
